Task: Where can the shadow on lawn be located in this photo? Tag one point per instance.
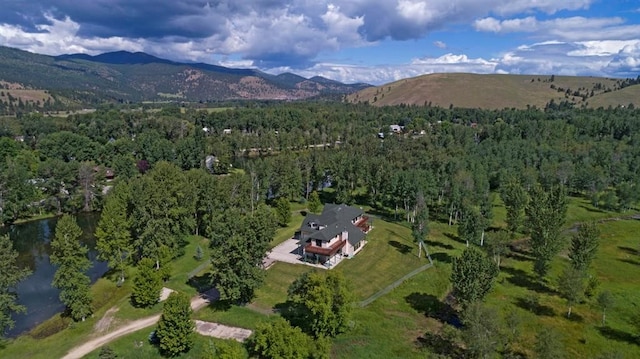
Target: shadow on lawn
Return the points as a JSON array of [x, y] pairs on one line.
[[618, 335], [400, 247], [630, 261], [441, 257], [438, 244], [591, 209], [520, 278], [629, 250], [535, 307], [454, 237], [433, 307]]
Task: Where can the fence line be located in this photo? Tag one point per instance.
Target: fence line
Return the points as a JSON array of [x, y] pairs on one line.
[[395, 284]]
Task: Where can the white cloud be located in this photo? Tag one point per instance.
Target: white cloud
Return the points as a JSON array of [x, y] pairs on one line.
[[440, 44]]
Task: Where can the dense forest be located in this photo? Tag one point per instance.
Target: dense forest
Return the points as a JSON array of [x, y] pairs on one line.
[[59, 164]]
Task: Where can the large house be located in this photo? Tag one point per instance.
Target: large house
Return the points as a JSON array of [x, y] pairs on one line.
[[336, 233]]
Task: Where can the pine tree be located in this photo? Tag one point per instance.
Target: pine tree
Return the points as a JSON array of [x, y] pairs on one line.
[[176, 328], [113, 232], [11, 275], [71, 257]]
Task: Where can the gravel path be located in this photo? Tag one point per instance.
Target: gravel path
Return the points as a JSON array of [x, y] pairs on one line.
[[210, 329]]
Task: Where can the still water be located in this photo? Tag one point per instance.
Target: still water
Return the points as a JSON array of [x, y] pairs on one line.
[[32, 241]]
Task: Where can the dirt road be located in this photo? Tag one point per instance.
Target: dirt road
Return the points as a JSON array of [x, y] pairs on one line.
[[86, 348]]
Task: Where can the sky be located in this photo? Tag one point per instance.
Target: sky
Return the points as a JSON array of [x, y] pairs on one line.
[[372, 41]]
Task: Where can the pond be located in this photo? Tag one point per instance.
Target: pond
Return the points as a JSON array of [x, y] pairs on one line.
[[32, 241]]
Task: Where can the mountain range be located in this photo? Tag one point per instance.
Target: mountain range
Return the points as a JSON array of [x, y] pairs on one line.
[[134, 77]]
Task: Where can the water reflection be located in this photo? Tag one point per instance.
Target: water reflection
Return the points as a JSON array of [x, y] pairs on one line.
[[32, 241]]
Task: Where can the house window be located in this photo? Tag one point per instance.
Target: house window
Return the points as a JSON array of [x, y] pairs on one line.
[[318, 243], [357, 245]]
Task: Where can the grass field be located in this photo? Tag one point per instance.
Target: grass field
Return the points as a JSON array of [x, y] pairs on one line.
[[494, 91], [137, 345]]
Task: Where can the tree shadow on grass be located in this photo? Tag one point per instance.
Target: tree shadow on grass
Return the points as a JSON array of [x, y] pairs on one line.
[[618, 335], [522, 279], [574, 317], [440, 344], [201, 283], [591, 209], [400, 247], [629, 250], [519, 257], [442, 257], [433, 307], [438, 244], [630, 261], [535, 308], [454, 237]]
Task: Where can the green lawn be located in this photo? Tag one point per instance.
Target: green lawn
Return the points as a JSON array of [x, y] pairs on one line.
[[284, 233], [274, 290], [136, 345], [389, 254]]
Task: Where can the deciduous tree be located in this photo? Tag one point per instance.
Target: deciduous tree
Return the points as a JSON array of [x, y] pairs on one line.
[[584, 246], [175, 328], [321, 303], [515, 200], [146, 284], [605, 301], [472, 276], [545, 217], [277, 339], [571, 286]]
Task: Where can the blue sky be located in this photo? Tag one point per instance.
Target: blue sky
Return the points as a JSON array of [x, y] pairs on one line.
[[374, 41]]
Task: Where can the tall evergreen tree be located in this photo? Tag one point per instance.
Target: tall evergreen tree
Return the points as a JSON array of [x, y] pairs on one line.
[[11, 276], [113, 233], [176, 328], [71, 258]]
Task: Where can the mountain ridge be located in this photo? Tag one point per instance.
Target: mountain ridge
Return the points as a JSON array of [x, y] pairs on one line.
[[123, 76]]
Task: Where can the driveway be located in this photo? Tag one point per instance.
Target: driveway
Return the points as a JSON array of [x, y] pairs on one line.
[[287, 252]]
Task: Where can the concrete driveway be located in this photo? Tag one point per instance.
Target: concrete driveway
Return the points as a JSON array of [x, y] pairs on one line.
[[287, 252]]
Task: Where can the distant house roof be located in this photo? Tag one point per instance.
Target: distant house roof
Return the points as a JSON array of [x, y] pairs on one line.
[[334, 219]]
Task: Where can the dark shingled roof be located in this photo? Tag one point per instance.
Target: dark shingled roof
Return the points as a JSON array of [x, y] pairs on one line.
[[337, 218]]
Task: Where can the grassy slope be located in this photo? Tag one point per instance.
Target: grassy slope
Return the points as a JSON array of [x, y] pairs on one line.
[[488, 91], [623, 97]]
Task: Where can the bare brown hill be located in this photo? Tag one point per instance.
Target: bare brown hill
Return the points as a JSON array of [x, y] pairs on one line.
[[497, 91]]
